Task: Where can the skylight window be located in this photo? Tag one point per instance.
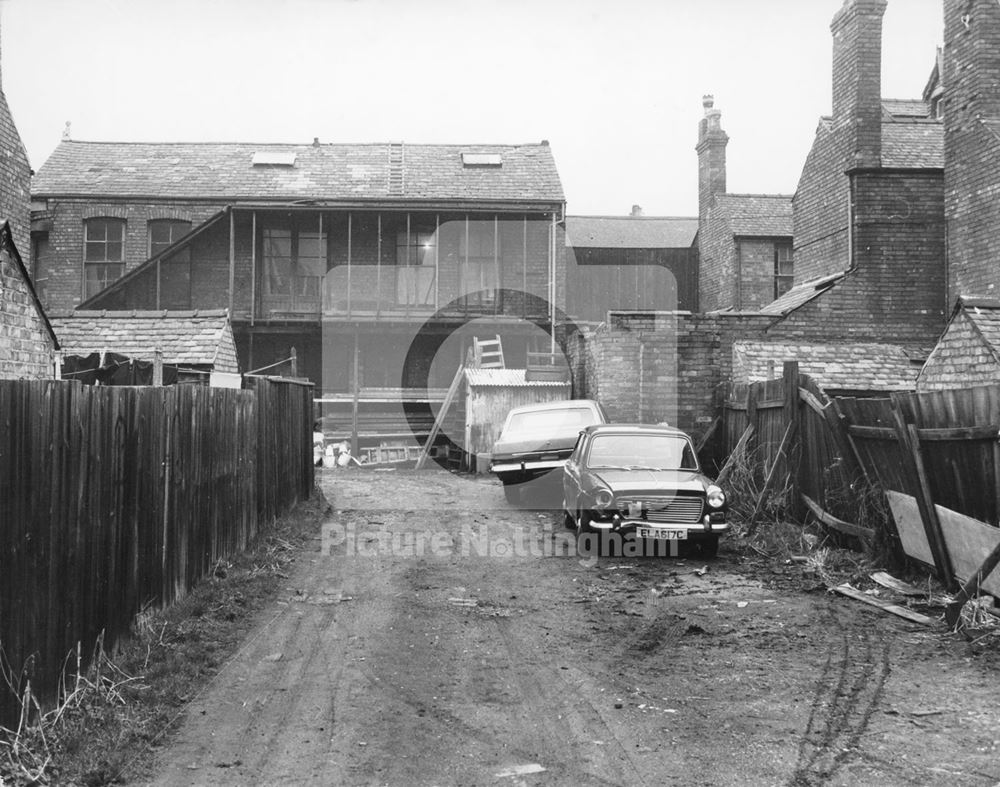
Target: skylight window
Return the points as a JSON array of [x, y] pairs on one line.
[[273, 158], [481, 160]]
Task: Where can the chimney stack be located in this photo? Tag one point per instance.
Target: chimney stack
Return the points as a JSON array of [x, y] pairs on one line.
[[711, 147], [857, 79], [636, 211]]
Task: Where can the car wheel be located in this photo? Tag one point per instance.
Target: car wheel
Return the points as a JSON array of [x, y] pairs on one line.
[[512, 493], [568, 520]]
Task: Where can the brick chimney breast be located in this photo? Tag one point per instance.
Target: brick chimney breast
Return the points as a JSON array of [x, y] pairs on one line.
[[711, 148], [857, 79]]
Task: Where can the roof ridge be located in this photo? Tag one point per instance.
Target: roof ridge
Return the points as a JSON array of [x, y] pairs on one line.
[[756, 196], [628, 217], [386, 143]]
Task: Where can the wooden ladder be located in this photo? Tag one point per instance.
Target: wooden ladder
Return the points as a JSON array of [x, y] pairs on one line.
[[489, 353], [439, 421]]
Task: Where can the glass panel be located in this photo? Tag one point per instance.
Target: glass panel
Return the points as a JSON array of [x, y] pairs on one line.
[[99, 276], [667, 452]]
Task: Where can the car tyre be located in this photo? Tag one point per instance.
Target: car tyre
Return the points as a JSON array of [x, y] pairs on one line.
[[568, 520]]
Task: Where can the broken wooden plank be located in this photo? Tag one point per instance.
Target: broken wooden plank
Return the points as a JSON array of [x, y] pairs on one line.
[[919, 483], [885, 606], [953, 611], [708, 435], [890, 582], [737, 449], [837, 524]]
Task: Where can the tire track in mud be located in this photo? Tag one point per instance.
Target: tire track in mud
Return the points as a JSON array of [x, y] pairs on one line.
[[848, 693], [579, 715]]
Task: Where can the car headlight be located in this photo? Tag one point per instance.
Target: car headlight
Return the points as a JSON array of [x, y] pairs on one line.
[[603, 498], [716, 497]]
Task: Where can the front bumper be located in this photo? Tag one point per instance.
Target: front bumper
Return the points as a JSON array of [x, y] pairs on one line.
[[706, 528], [529, 466]]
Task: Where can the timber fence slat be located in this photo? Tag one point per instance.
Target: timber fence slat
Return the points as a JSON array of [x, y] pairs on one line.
[[113, 499]]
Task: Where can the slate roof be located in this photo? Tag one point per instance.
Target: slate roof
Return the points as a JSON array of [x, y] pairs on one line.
[[631, 232], [801, 294], [506, 378], [185, 338], [908, 141], [320, 172], [985, 314], [915, 145], [906, 107], [856, 367], [757, 215]]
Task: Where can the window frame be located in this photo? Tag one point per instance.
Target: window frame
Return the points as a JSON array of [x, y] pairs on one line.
[[172, 224], [784, 269], [89, 242]]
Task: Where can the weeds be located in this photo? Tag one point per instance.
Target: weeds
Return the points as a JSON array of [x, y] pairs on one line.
[[109, 714]]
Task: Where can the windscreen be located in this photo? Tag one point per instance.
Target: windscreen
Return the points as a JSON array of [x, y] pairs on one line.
[[645, 451], [545, 421]]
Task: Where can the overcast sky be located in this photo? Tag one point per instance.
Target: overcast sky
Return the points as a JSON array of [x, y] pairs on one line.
[[614, 85]]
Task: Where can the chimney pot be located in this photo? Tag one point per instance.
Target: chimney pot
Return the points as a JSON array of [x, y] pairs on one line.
[[636, 210], [315, 142]]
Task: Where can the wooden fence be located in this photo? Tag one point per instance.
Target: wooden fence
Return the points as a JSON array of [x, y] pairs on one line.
[[116, 498], [791, 432], [941, 448]]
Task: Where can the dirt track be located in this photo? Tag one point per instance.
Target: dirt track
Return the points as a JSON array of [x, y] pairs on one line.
[[404, 652]]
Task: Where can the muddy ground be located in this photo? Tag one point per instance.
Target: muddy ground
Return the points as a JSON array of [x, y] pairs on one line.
[[436, 635]]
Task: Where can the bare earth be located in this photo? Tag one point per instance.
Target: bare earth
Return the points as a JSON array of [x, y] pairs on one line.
[[403, 652]]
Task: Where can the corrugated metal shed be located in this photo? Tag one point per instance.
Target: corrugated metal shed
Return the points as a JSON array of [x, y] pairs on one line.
[[492, 393]]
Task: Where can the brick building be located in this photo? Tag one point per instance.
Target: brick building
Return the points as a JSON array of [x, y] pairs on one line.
[[970, 68], [744, 240], [869, 258], [366, 259], [27, 341], [630, 262], [870, 200], [969, 351]]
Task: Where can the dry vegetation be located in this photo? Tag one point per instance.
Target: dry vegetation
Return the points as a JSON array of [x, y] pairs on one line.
[[111, 715]]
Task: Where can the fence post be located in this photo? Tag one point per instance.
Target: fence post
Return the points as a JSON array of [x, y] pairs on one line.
[[913, 464], [790, 381], [158, 367], [295, 363]]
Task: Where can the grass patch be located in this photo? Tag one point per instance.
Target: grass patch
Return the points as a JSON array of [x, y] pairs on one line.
[[111, 716]]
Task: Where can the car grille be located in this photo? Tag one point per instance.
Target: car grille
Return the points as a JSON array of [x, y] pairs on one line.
[[681, 510]]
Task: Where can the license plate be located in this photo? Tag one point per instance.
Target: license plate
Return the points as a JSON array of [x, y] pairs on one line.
[[662, 535]]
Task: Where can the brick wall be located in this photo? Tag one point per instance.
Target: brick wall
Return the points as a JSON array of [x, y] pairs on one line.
[[857, 79], [15, 182], [961, 358], [660, 366], [25, 343], [716, 261], [972, 178], [756, 273], [820, 208]]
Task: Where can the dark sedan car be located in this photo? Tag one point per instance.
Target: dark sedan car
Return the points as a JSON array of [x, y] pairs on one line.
[[641, 483], [537, 438]]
